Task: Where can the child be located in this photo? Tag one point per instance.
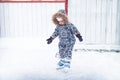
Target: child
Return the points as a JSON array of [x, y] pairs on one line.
[[66, 31]]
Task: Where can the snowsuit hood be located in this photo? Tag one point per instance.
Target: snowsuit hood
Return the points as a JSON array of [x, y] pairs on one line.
[[62, 14]]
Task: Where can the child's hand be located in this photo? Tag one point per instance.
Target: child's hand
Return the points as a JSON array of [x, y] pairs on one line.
[[79, 37], [49, 40]]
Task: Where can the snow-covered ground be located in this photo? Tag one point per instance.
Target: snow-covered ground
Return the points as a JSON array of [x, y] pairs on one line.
[[33, 59]]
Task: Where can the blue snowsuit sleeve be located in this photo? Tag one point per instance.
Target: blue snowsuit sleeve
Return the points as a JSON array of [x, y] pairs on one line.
[[74, 30], [55, 33]]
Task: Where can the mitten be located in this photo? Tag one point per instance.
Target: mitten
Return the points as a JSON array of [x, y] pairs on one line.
[[49, 40], [79, 37]]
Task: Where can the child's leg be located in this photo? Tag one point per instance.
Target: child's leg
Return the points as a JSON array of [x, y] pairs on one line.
[[62, 48], [68, 51], [67, 59], [65, 51]]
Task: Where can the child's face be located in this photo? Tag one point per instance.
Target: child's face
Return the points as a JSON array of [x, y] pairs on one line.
[[61, 22]]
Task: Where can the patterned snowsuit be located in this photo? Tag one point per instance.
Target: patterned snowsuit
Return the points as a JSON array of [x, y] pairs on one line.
[[66, 39]]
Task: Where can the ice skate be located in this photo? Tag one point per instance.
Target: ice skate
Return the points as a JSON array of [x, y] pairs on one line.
[[60, 65]]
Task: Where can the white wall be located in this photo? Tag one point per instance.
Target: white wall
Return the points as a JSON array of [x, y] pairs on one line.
[[118, 23], [96, 20], [27, 19]]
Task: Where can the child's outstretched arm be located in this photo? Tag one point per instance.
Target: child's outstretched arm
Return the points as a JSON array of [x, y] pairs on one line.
[[54, 35], [77, 33]]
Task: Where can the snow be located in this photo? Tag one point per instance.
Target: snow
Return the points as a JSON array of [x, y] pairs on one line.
[[33, 59]]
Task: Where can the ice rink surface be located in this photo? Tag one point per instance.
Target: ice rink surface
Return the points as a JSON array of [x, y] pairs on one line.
[[32, 59]]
